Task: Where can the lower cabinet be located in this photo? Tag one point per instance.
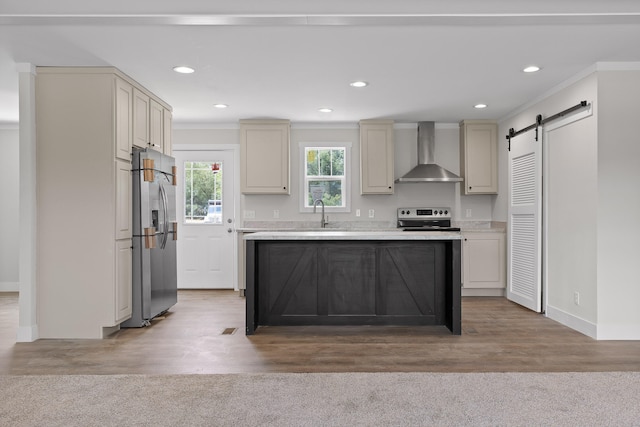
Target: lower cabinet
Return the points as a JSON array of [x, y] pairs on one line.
[[483, 260], [123, 290]]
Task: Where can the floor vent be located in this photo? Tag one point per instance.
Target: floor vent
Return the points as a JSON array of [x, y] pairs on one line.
[[229, 331]]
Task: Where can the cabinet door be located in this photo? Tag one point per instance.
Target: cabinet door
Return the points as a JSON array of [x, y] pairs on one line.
[[376, 157], [167, 147], [123, 290], [124, 117], [484, 260], [264, 157], [123, 200], [140, 119], [479, 150], [156, 126]]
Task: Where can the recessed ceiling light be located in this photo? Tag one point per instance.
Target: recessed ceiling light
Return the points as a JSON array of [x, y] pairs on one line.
[[221, 105], [531, 69], [325, 110], [359, 84], [479, 106], [183, 69]]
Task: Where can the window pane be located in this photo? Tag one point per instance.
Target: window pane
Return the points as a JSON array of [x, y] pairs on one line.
[[337, 161], [312, 161], [332, 192], [203, 192], [324, 157]]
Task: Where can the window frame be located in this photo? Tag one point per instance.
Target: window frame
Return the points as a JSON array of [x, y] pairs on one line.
[[346, 188]]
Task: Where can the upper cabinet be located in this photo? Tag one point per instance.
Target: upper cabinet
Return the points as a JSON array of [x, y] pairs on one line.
[[140, 119], [376, 157], [479, 156], [167, 145], [151, 123], [264, 156], [124, 117]]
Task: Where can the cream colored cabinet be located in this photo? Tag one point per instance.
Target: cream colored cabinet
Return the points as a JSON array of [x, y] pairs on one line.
[[84, 199], [123, 208], [376, 157], [122, 297], [124, 118], [479, 156], [156, 126], [167, 143], [484, 259], [264, 156], [140, 118]]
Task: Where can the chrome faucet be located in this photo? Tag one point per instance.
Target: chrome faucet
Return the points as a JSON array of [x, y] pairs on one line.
[[323, 223]]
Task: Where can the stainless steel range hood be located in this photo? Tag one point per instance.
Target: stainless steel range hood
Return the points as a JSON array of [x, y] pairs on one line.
[[427, 170]]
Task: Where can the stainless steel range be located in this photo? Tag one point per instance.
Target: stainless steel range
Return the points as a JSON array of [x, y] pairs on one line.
[[425, 219]]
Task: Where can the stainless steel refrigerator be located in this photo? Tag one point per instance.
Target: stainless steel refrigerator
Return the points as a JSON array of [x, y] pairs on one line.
[[154, 236]]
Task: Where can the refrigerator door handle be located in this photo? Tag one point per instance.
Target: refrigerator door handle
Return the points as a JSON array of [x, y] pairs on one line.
[[165, 212]]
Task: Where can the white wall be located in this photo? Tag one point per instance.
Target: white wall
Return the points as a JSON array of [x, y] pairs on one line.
[[444, 194], [619, 204], [9, 209]]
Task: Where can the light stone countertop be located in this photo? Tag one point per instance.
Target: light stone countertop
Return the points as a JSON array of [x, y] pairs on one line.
[[353, 235]]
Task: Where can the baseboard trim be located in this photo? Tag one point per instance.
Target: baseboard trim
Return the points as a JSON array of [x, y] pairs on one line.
[[27, 334], [618, 332], [9, 287], [484, 292], [574, 322]]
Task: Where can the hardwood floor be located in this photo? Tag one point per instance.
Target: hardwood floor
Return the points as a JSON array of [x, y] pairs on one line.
[[204, 333]]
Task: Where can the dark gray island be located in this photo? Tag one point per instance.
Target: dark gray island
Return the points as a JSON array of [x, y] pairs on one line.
[[353, 278]]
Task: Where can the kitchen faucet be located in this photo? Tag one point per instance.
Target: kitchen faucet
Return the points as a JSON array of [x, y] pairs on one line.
[[323, 223]]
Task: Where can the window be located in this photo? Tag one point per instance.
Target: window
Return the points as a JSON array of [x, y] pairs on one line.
[[325, 176], [203, 192]]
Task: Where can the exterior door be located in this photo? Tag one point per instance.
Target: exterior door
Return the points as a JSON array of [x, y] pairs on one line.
[[524, 278], [206, 212]]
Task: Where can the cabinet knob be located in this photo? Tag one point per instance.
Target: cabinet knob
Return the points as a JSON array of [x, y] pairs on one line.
[[389, 187], [469, 187], [284, 188]]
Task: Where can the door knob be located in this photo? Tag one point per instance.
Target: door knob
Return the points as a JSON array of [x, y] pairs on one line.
[[229, 220], [229, 230]]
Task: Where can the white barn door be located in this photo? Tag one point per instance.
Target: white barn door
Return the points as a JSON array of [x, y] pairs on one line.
[[524, 272]]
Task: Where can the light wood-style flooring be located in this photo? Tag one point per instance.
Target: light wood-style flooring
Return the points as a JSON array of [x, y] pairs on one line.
[[204, 333]]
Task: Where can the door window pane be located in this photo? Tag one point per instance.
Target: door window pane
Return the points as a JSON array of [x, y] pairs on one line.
[[203, 192]]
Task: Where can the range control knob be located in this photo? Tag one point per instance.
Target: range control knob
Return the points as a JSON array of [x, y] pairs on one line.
[[446, 212], [440, 212], [408, 212], [402, 212]]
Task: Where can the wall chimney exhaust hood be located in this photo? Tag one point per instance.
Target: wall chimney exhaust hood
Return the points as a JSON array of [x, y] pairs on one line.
[[427, 170]]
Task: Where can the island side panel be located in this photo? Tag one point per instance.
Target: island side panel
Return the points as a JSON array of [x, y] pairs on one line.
[[250, 291], [453, 288]]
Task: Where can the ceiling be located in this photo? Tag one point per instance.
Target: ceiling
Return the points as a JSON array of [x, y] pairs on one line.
[[424, 59]]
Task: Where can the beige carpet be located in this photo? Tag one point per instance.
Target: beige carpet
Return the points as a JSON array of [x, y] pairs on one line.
[[354, 399]]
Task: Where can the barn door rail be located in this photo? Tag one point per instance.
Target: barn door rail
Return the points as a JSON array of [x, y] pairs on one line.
[[540, 121]]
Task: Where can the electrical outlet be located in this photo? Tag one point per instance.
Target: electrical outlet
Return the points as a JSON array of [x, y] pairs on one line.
[[372, 213], [576, 298], [249, 214], [468, 213], [276, 213], [357, 212]]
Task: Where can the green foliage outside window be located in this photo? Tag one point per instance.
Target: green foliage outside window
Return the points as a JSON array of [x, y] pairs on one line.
[[201, 184], [325, 173]]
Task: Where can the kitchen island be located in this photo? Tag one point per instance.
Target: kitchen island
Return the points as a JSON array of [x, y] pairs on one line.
[[353, 278]]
